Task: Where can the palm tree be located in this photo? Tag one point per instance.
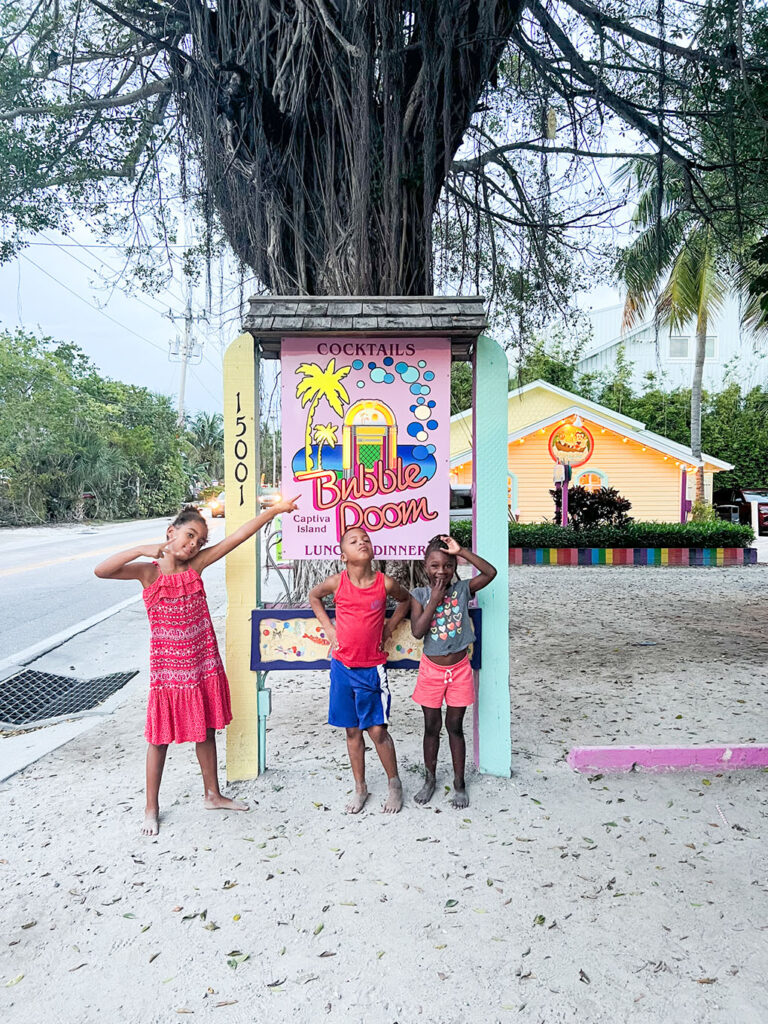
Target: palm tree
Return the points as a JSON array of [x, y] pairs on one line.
[[683, 268], [316, 384], [324, 435], [206, 441]]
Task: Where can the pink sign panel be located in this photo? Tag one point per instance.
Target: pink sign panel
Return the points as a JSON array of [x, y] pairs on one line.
[[366, 438]]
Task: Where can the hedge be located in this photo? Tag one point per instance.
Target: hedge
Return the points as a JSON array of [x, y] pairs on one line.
[[633, 535]]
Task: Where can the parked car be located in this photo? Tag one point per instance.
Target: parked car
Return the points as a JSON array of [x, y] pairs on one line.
[[217, 505], [461, 503]]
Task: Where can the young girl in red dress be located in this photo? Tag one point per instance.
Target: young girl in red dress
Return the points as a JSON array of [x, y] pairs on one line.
[[188, 688]]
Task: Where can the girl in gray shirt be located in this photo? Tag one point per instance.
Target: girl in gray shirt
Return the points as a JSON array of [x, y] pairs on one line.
[[440, 614]]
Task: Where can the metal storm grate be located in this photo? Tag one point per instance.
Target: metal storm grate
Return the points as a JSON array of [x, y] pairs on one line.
[[29, 697]]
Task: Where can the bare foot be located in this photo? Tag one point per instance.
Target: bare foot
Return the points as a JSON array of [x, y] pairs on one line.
[[151, 825], [217, 802], [425, 793], [460, 797], [357, 802], [394, 800]]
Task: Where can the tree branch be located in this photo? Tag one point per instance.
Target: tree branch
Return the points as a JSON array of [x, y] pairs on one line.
[[106, 103]]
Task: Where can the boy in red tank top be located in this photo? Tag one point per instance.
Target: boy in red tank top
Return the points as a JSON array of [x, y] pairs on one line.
[[359, 695]]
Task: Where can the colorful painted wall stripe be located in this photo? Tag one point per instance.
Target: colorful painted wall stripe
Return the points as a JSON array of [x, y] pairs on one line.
[[633, 556], [659, 758]]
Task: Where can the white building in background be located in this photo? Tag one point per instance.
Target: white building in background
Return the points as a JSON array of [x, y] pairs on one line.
[[734, 354]]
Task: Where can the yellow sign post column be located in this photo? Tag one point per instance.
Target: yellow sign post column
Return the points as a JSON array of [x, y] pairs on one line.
[[240, 467]]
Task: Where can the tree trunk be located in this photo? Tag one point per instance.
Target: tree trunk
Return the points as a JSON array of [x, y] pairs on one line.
[[696, 388], [325, 131]]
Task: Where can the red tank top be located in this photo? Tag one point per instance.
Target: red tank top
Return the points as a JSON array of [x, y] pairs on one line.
[[359, 622]]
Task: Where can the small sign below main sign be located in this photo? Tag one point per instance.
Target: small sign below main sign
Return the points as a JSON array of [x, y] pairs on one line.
[[366, 438]]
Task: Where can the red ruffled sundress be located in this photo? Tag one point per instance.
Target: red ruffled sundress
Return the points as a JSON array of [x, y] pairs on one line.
[[188, 688]]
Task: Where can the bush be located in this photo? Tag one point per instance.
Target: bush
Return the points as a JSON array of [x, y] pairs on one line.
[[603, 507], [632, 535], [703, 512]]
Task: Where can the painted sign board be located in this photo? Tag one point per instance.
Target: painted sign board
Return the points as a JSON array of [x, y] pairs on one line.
[[291, 638], [366, 442], [572, 444]]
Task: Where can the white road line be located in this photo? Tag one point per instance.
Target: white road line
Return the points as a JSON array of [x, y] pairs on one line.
[[39, 649]]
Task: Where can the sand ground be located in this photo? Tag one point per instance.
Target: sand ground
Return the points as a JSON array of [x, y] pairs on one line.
[[554, 897]]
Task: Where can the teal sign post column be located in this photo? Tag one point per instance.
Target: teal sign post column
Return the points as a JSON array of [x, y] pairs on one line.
[[493, 742]]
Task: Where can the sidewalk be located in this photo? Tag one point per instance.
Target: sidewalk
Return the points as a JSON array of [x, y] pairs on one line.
[[554, 897]]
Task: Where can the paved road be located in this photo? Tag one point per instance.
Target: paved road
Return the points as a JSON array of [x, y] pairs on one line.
[[46, 576]]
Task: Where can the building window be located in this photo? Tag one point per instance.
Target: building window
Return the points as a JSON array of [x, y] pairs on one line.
[[592, 481], [678, 348]]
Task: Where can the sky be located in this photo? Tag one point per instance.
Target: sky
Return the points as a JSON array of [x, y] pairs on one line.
[[56, 287]]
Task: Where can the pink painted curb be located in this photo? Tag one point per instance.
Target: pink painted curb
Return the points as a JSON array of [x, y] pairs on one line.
[[661, 759]]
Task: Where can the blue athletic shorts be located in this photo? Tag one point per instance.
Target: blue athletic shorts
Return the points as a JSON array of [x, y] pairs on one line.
[[359, 697]]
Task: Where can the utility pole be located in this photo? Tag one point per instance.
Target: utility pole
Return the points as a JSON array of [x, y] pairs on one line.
[[185, 350]]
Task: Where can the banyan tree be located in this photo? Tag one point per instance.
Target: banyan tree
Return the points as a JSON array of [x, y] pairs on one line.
[[320, 137]]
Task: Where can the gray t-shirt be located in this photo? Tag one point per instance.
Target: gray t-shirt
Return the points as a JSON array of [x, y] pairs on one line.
[[451, 627]]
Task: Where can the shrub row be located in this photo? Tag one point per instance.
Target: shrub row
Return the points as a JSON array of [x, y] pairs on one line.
[[631, 535]]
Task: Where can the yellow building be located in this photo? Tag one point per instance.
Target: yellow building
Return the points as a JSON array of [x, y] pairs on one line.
[[605, 449]]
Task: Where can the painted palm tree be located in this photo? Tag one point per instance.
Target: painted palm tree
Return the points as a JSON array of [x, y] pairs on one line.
[[681, 268], [324, 435], [316, 384]]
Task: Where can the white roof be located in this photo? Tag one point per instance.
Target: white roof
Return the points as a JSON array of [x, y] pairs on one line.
[[603, 417]]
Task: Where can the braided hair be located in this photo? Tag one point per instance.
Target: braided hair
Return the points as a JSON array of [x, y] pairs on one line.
[[438, 544]]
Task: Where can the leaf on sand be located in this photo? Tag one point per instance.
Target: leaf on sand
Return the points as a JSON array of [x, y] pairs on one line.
[[14, 981], [29, 924], [318, 929], [211, 927], [176, 910], [71, 969], [129, 915], [380, 954], [229, 885], [706, 981], [154, 956], [184, 1009], [235, 917], [226, 1002], [276, 984], [539, 919], [326, 952], [583, 976], [451, 903], [146, 928]]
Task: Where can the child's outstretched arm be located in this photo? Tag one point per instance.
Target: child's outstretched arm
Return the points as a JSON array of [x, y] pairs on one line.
[[123, 565], [487, 573], [209, 555], [316, 595], [403, 598]]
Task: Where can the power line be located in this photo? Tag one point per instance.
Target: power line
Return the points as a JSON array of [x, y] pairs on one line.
[[135, 298], [78, 296]]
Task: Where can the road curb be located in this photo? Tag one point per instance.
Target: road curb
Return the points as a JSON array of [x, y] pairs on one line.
[[30, 654]]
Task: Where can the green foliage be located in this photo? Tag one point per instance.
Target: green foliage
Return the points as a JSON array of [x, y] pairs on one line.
[[205, 446], [716, 534], [587, 509], [66, 432], [633, 535], [461, 387], [703, 512]]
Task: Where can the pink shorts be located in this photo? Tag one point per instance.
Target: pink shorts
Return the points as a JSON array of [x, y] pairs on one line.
[[453, 684]]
